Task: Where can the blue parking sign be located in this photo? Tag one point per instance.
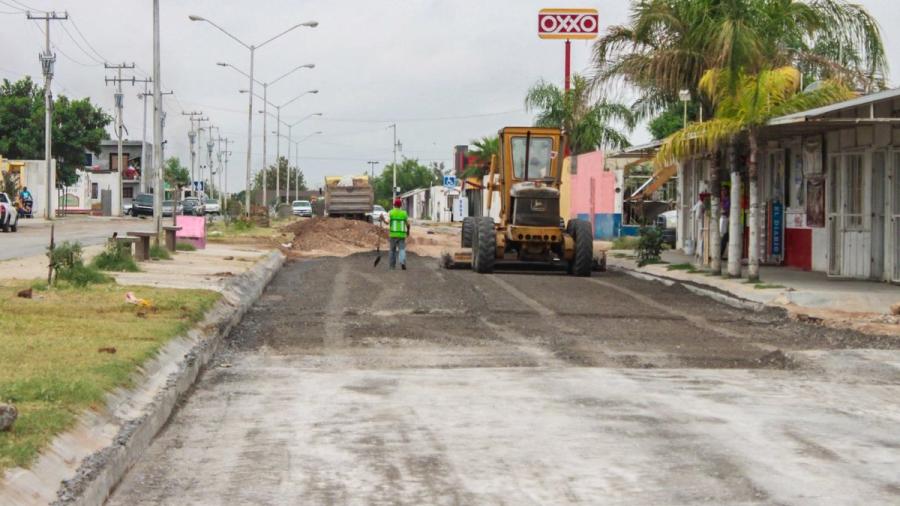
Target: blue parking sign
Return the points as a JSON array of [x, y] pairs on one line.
[[450, 181]]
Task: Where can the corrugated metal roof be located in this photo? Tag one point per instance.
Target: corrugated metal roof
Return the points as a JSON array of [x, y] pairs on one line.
[[633, 151], [847, 104]]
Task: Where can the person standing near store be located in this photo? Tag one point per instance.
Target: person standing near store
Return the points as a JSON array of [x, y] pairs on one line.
[[398, 222]]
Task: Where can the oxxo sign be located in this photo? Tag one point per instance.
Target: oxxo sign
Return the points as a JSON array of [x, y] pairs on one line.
[[568, 23]]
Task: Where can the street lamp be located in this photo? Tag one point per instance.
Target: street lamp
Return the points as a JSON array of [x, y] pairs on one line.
[[278, 138], [685, 97], [266, 103], [297, 147], [252, 49], [372, 164]]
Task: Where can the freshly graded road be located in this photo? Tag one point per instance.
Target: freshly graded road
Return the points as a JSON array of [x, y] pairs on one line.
[[352, 385]]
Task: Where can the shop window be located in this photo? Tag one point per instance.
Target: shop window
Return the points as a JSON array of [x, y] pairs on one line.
[[128, 192], [95, 191]]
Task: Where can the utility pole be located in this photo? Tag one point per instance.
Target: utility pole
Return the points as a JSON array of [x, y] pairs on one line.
[[120, 99], [192, 137], [157, 125], [397, 146], [47, 60], [372, 164], [227, 154], [143, 97]]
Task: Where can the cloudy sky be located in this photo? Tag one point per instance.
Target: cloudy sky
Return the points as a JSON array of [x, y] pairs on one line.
[[445, 72]]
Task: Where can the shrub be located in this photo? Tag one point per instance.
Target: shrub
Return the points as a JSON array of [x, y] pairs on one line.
[[649, 246], [625, 242], [242, 225], [82, 275], [185, 246], [114, 258], [158, 252]]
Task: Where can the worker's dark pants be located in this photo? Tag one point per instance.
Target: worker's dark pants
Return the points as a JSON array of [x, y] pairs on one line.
[[398, 248]]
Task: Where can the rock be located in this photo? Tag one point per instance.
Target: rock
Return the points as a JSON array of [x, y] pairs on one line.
[[895, 309], [8, 415], [775, 359]]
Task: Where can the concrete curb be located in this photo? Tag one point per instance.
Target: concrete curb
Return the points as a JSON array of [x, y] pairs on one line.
[[696, 288], [133, 418]]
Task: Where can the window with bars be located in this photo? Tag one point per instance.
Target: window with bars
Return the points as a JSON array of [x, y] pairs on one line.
[[855, 190]]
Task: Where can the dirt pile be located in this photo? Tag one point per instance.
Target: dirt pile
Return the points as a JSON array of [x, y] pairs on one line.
[[335, 236]]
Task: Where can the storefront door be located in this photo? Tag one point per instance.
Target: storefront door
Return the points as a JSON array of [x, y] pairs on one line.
[[894, 239], [849, 235]]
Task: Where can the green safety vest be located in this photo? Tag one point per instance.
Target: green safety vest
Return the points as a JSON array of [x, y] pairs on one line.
[[398, 223]]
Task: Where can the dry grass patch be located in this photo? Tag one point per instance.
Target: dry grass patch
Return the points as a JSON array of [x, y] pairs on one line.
[[65, 348]]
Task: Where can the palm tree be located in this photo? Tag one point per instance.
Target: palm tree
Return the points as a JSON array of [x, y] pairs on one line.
[[746, 109], [669, 44], [484, 149], [588, 123]]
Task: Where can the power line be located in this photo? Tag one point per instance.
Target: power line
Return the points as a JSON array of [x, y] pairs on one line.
[[28, 7], [83, 50], [19, 10], [75, 26], [56, 47]]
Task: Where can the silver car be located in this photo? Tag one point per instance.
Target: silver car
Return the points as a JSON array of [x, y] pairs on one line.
[[212, 206], [167, 207], [302, 208], [377, 213]]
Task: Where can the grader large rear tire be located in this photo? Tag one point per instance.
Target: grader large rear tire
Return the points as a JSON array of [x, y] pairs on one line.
[[468, 230], [584, 249], [485, 246]]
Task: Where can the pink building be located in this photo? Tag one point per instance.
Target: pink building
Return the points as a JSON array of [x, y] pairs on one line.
[[589, 192]]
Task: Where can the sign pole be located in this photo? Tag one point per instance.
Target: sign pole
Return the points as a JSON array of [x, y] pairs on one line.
[[568, 65]]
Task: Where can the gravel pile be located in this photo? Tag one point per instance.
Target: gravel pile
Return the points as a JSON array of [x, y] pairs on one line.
[[335, 235]]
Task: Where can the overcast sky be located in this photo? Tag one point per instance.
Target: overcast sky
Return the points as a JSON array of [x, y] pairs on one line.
[[445, 72]]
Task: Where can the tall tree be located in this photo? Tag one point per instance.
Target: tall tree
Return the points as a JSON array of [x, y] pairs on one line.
[[410, 175], [78, 126], [590, 124], [745, 110], [281, 171], [177, 176], [668, 44]]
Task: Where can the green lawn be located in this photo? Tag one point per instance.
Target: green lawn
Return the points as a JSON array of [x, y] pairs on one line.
[[51, 368]]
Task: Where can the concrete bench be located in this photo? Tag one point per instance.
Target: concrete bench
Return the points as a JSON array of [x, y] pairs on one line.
[[171, 230], [125, 244], [142, 246]]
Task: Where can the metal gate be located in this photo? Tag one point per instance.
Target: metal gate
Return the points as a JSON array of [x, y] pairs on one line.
[[849, 236], [894, 240]]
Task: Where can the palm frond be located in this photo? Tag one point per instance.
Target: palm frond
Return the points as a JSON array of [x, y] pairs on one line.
[[697, 139]]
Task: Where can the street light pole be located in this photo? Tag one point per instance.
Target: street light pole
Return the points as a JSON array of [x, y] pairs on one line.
[[372, 165], [252, 49], [157, 125]]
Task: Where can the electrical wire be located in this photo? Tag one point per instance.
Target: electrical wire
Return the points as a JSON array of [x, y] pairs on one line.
[[18, 10], [73, 60], [79, 46], [28, 7], [75, 26]]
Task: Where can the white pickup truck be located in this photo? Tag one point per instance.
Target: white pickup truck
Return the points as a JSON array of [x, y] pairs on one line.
[[9, 215]]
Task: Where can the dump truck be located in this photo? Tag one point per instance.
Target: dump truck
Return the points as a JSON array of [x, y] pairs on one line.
[[526, 173], [348, 197]]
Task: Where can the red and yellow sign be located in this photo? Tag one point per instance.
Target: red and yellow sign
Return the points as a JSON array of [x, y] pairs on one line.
[[568, 23]]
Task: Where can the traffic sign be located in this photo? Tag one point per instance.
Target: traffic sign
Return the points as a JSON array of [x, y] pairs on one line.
[[568, 23], [450, 181]]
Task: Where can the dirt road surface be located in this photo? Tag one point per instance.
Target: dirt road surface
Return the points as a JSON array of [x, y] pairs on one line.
[[352, 385]]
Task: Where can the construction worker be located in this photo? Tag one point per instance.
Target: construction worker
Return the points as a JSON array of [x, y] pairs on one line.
[[399, 229]]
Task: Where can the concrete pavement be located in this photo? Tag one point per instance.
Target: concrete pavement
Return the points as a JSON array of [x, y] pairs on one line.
[[352, 385]]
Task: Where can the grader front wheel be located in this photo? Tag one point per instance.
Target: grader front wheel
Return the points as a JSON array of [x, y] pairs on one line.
[[484, 246], [584, 248]]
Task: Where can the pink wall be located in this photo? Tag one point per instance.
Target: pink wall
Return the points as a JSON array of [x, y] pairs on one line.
[[590, 165]]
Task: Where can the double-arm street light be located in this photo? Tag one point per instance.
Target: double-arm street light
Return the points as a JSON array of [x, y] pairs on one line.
[[290, 143], [297, 157], [252, 48], [278, 122], [266, 103]]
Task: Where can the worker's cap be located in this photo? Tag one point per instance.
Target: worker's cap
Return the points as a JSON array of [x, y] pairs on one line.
[[398, 202]]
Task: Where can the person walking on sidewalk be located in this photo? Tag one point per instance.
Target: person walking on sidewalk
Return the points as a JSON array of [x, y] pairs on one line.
[[399, 230]]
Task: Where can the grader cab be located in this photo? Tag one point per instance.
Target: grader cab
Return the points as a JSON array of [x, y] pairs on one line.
[[527, 175]]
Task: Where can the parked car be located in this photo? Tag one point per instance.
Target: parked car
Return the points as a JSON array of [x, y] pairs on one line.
[[302, 208], [167, 207], [377, 213], [142, 205], [667, 222], [126, 209], [192, 206], [212, 206], [9, 215]]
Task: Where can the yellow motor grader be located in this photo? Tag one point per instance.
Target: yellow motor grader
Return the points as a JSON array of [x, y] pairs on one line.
[[527, 175]]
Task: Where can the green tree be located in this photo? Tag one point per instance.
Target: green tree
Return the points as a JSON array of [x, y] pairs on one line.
[[78, 126], [589, 124], [757, 99], [410, 175], [281, 171], [672, 120], [668, 45]]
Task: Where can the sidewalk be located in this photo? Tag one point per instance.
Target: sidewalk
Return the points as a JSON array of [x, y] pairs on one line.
[[863, 305]]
